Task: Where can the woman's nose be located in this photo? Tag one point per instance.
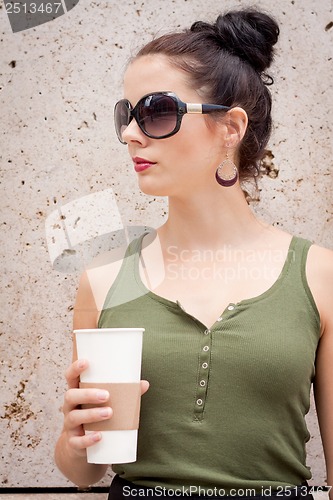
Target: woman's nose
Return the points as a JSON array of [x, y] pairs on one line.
[[133, 133]]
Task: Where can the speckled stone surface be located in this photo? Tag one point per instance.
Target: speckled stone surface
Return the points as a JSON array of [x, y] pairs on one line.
[[59, 82]]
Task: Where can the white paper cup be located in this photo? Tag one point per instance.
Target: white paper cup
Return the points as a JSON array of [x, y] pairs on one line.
[[114, 356]]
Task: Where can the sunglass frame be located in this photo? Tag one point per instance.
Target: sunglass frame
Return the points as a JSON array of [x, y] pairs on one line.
[[182, 109]]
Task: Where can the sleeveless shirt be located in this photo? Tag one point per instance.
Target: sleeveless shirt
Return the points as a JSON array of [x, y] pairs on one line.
[[226, 405]]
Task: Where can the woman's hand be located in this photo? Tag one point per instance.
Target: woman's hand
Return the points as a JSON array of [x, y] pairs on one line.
[[75, 417]]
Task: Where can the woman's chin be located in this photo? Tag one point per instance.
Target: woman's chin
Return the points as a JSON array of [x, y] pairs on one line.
[[152, 189]]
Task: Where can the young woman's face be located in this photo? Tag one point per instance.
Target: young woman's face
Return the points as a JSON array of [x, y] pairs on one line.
[[185, 162]]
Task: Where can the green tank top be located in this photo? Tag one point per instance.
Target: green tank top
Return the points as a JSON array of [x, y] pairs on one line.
[[226, 405]]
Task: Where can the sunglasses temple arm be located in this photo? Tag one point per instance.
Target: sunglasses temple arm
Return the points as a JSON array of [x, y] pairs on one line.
[[194, 108], [204, 108], [210, 108]]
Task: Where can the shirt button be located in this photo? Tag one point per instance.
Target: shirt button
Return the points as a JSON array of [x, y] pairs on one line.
[[220, 318], [207, 332], [231, 307], [202, 383], [199, 402], [204, 365], [206, 348]]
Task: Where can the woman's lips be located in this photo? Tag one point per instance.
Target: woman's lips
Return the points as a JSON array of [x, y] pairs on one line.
[[141, 164]]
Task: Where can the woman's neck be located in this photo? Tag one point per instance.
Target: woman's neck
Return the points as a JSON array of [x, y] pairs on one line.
[[209, 222]]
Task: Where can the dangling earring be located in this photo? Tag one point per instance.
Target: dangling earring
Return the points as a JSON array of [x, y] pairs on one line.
[[229, 179]]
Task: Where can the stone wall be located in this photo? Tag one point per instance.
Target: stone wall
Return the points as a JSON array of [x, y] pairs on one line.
[[60, 161]]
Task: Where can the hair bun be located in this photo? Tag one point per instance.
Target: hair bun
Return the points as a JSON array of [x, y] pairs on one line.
[[248, 34]]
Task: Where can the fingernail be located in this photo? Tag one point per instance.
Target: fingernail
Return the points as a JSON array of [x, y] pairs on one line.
[[96, 436], [82, 363], [105, 412], [102, 395]]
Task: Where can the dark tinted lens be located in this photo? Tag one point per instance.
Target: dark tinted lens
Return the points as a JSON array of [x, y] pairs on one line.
[[158, 114], [122, 117]]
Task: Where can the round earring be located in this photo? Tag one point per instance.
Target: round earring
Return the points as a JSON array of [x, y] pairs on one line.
[[230, 179]]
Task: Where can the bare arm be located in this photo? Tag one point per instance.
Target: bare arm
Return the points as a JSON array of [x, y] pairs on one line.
[[323, 390], [321, 278], [70, 452]]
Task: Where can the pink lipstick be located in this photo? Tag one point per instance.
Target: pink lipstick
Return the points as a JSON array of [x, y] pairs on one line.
[[141, 164]]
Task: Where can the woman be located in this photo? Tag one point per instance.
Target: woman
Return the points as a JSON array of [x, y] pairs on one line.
[[238, 314]]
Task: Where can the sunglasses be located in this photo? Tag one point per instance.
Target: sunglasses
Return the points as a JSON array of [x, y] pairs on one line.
[[158, 115]]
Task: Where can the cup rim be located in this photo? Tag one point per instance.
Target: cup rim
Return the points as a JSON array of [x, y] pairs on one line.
[[108, 330]]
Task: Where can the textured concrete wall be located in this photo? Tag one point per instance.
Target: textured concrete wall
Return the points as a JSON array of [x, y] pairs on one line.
[[59, 82]]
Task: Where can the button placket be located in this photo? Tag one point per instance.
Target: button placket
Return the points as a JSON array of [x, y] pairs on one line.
[[203, 374]]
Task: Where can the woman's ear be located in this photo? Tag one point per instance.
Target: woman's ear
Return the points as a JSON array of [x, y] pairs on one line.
[[236, 121]]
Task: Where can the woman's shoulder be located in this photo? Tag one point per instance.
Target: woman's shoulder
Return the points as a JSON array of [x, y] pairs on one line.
[[94, 285], [319, 273], [101, 273], [320, 263], [319, 257]]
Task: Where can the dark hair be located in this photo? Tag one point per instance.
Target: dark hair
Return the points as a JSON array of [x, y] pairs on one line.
[[228, 60]]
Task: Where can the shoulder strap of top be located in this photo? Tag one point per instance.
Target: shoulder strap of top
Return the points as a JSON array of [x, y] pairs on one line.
[[125, 287], [298, 253]]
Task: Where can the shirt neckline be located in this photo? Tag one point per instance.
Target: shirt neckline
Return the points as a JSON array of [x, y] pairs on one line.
[[242, 303]]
